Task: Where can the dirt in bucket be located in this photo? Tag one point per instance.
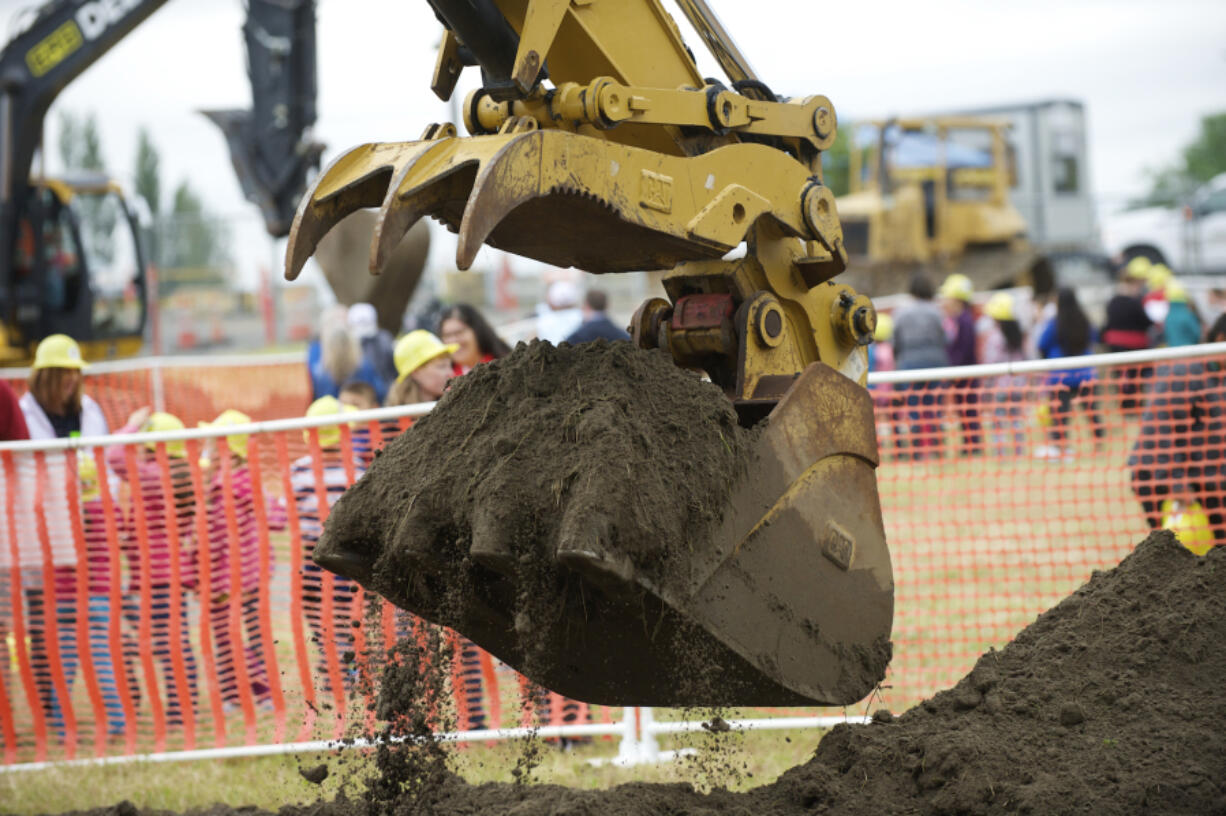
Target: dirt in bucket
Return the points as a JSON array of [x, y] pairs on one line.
[[601, 447]]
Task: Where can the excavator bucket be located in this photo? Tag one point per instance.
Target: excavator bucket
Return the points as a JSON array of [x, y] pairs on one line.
[[560, 198], [790, 603]]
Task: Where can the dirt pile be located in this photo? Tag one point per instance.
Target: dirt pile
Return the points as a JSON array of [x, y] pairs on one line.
[[600, 460], [1111, 702]]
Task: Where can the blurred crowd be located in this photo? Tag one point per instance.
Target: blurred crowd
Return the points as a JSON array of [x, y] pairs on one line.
[[1179, 408]]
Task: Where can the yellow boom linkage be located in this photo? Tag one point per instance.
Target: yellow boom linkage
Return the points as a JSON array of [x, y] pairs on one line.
[[596, 143]]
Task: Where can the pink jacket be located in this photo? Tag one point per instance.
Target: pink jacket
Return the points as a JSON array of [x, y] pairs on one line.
[[181, 512], [219, 549]]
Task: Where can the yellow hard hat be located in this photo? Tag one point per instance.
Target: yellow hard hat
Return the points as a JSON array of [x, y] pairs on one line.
[[1000, 307], [1190, 525], [162, 422], [885, 328], [58, 351], [1175, 292], [1138, 268], [1158, 277], [417, 348], [957, 287], [237, 443], [329, 435]]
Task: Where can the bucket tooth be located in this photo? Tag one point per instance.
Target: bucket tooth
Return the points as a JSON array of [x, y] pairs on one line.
[[355, 180], [434, 182], [511, 178]]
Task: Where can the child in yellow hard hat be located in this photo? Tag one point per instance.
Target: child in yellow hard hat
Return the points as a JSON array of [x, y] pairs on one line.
[[327, 471], [231, 568], [423, 368], [1003, 341], [963, 349], [162, 515]]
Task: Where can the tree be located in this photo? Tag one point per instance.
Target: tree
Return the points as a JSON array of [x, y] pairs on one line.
[[148, 172], [148, 185], [80, 143], [186, 236], [1198, 162], [81, 150], [193, 237]]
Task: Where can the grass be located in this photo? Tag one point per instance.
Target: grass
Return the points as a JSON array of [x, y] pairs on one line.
[[740, 761]]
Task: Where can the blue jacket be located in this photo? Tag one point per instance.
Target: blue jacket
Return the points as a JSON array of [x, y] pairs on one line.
[[1049, 347], [322, 384], [598, 327]]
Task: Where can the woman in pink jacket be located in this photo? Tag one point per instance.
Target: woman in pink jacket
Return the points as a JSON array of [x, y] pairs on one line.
[[154, 571]]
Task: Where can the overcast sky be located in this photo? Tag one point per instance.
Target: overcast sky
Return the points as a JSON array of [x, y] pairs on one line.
[[1147, 70]]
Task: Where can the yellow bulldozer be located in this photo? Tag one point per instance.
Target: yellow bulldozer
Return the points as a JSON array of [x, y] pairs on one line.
[[596, 142], [932, 194]]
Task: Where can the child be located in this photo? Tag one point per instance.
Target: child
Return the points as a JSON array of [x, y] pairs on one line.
[[1004, 342], [329, 475], [149, 556], [231, 499], [361, 396]]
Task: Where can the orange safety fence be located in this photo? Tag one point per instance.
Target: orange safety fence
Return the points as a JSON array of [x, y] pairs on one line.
[[157, 594], [1003, 493]]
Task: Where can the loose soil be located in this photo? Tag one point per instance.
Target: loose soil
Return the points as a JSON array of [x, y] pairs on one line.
[[603, 448], [1111, 702]]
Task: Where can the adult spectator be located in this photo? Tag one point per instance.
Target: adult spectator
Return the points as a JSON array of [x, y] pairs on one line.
[[1182, 324], [475, 340], [561, 314], [920, 342], [596, 323], [425, 366], [1068, 334], [55, 406], [956, 293], [1128, 328], [376, 343], [336, 357], [1179, 454], [12, 427], [12, 420]]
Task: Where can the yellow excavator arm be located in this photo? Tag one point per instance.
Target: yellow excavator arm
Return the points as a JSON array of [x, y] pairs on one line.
[[595, 142]]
